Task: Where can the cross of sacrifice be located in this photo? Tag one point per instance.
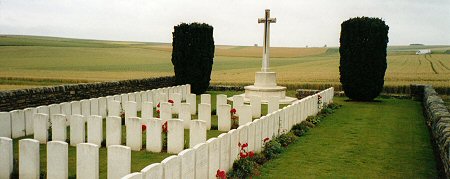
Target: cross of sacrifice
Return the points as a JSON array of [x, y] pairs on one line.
[[266, 20]]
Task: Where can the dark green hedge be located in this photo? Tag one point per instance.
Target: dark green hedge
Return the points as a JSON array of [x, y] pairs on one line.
[[193, 54], [363, 57]]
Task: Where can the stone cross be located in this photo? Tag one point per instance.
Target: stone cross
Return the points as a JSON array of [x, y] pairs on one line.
[[266, 20]]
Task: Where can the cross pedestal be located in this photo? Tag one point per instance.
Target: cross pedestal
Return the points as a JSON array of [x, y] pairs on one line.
[[265, 85]]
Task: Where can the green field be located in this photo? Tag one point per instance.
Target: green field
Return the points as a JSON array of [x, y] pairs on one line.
[[30, 61], [385, 139]]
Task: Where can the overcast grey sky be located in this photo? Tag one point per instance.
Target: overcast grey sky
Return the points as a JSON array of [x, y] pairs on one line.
[[300, 23]]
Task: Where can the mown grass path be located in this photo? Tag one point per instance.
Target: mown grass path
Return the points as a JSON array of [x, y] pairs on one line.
[[386, 139]]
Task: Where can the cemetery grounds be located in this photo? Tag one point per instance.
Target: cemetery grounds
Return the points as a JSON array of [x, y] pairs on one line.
[[397, 144]]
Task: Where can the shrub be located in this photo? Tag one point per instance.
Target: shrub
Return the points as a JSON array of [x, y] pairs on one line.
[[272, 149], [313, 119], [243, 168], [363, 57], [286, 139], [193, 54], [300, 129], [259, 158]]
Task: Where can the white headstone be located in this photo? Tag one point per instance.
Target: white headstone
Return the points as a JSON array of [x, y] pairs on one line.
[[238, 100], [87, 161], [147, 110], [264, 128], [113, 130], [114, 108], [234, 148], [118, 98], [172, 167], [76, 107], [29, 158], [43, 110], [85, 107], [163, 97], [271, 123], [201, 160], [245, 114], [77, 129], [66, 108], [273, 104], [95, 130], [144, 96], [57, 160], [188, 88], [276, 125], [185, 114], [17, 123], [251, 136], [109, 99], [135, 175], [119, 161], [243, 134], [59, 128], [29, 113], [165, 111], [153, 171], [40, 123], [224, 117], [192, 100], [5, 124], [224, 163], [187, 158], [176, 97], [281, 122], [94, 106], [54, 109], [155, 97], [221, 99], [255, 102], [138, 99], [204, 114], [123, 100], [175, 136], [214, 156], [6, 157], [205, 98], [131, 97], [134, 133], [130, 110], [102, 106], [258, 136], [154, 140], [197, 133]]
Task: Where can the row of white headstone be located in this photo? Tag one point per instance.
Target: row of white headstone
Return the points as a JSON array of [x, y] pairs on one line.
[[204, 159], [200, 161], [19, 123]]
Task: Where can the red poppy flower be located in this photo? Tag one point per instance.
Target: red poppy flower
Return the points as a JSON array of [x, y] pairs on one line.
[[157, 111], [221, 174], [144, 127], [251, 154], [243, 154], [233, 111], [244, 146], [170, 101], [158, 105], [266, 139]]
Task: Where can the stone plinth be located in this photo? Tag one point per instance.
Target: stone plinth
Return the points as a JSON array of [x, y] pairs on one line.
[[265, 86]]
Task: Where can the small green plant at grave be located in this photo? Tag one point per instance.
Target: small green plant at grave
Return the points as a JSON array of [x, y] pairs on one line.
[[234, 119], [245, 166], [164, 136], [272, 148], [301, 128], [286, 139], [313, 119]]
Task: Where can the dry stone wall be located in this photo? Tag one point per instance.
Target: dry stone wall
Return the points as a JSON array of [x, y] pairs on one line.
[[438, 120], [20, 99]]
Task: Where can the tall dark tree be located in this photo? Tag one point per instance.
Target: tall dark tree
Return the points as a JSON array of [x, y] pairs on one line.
[[363, 57], [193, 55]]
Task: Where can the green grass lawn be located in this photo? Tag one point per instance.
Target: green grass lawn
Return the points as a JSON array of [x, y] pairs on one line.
[[386, 139]]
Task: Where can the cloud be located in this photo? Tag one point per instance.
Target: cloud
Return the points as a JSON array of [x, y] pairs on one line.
[[300, 23]]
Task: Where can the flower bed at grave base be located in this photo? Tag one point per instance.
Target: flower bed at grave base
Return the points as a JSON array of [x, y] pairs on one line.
[[438, 120], [219, 155]]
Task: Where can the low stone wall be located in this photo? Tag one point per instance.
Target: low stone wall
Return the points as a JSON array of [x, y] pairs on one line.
[[20, 99], [438, 120]]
